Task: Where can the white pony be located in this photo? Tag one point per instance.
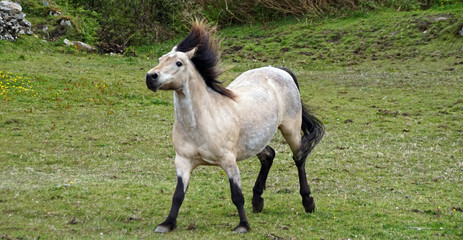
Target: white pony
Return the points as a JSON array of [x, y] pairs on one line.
[[220, 126]]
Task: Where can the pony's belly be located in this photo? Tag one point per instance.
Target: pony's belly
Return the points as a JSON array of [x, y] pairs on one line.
[[252, 143]]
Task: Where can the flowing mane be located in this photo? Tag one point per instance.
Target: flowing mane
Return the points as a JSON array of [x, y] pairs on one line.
[[207, 56]]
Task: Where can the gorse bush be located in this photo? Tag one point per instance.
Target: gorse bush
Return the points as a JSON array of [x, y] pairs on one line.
[[142, 22]]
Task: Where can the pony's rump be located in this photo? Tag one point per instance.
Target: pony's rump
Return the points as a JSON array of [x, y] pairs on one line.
[[312, 128]]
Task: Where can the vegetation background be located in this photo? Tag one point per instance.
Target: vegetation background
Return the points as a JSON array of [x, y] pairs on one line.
[[142, 22], [86, 150]]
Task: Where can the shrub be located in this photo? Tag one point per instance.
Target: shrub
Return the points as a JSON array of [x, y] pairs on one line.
[[142, 22]]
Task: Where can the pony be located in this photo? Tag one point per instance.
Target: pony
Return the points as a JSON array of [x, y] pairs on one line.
[[219, 126]]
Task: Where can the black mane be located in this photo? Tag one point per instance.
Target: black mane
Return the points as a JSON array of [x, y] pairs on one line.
[[206, 56]]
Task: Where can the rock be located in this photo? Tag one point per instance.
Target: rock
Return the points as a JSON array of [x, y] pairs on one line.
[[66, 23], [20, 16], [55, 13], [83, 46], [67, 42], [80, 45], [12, 21], [438, 19], [11, 6], [44, 29], [461, 31], [26, 23]]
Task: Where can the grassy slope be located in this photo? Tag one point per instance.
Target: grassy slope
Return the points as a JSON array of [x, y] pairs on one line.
[[89, 153]]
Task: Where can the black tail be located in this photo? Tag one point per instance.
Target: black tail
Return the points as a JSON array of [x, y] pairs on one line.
[[312, 128]]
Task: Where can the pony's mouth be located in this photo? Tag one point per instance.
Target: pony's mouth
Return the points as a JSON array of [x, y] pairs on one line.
[[154, 88], [152, 84]]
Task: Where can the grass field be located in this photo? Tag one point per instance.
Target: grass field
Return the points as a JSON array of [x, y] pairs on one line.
[[86, 150]]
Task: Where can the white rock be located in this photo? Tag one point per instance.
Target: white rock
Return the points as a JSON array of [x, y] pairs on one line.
[[66, 23], [14, 6], [440, 19], [67, 42], [83, 46], [80, 45]]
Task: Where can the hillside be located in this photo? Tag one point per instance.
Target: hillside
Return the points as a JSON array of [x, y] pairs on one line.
[[376, 36]]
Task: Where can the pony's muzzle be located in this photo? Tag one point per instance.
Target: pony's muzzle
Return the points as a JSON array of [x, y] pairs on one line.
[[152, 81]]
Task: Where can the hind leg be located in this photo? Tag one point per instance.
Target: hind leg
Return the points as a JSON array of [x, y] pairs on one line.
[[307, 201], [292, 136], [266, 159]]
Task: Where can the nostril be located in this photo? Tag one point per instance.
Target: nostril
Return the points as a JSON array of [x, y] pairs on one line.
[[152, 80], [151, 76]]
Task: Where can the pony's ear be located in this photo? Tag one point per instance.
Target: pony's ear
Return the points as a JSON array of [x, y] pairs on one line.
[[174, 49], [190, 54]]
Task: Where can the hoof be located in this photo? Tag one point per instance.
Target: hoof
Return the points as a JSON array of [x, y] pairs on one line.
[[163, 229], [257, 205], [242, 228], [309, 204]]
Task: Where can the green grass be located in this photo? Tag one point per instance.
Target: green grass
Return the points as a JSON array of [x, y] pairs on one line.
[[89, 154]]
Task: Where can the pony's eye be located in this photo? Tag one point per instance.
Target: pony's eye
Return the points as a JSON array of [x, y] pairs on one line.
[[179, 64]]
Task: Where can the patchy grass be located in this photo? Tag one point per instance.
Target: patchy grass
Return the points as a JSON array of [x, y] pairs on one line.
[[89, 153]]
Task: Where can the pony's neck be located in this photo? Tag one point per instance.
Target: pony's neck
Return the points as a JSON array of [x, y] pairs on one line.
[[193, 101]]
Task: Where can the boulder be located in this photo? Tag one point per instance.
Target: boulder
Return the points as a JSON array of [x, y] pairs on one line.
[[11, 6], [12, 21], [83, 46], [80, 45]]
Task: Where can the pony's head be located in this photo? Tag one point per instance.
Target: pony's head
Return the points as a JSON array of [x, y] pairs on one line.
[[199, 51], [171, 72]]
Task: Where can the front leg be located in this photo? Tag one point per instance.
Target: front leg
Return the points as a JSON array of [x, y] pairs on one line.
[[183, 168], [237, 196]]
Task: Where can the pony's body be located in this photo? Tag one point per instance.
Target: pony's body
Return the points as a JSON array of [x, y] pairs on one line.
[[221, 126], [240, 127]]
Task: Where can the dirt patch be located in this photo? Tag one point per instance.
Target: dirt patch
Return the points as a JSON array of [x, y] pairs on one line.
[[422, 25], [233, 49], [192, 226], [110, 48], [386, 112], [11, 121], [73, 221], [335, 37], [307, 53]]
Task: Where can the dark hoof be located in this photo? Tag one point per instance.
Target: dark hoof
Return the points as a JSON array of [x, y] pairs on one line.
[[257, 205], [242, 228], [161, 228], [309, 204]]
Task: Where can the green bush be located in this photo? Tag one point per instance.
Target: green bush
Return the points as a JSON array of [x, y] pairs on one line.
[[134, 22], [143, 22]]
